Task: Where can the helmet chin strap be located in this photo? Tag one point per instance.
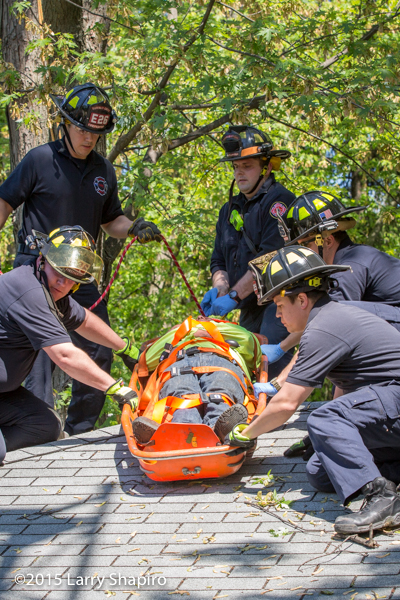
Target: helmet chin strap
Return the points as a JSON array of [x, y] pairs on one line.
[[320, 244], [266, 171], [63, 125]]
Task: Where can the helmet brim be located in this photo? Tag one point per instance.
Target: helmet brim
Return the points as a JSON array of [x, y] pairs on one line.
[[326, 270], [336, 217]]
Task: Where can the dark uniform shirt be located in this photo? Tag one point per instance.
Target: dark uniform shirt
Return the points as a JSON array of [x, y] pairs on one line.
[[28, 324], [58, 189], [375, 276], [350, 346], [231, 251]]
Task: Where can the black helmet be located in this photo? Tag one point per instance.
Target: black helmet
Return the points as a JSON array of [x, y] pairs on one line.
[[87, 106], [70, 250], [291, 271], [314, 212], [242, 141]]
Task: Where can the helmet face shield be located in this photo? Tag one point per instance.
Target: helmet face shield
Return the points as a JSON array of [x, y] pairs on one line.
[[79, 264]]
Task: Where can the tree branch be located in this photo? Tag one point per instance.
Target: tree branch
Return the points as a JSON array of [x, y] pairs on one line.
[[105, 17], [367, 36], [124, 140], [237, 12], [266, 113], [241, 52]]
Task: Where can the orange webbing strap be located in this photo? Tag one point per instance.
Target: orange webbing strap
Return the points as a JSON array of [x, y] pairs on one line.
[[188, 401], [188, 325], [201, 370]]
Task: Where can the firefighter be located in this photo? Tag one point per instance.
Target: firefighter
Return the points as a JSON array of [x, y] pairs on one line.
[[67, 181], [37, 312], [247, 227], [355, 437], [320, 221]]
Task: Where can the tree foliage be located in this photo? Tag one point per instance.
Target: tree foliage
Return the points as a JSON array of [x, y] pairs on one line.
[[321, 78]]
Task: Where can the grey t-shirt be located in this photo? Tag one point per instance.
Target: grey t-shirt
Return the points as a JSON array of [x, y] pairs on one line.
[[351, 347], [28, 324]]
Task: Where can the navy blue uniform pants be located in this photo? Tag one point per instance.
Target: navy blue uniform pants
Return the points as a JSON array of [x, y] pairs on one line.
[[263, 320], [218, 382], [356, 438], [86, 402], [25, 421]]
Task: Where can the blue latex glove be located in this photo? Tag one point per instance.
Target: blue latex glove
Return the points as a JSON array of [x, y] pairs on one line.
[[273, 352], [223, 305], [264, 388], [208, 300]]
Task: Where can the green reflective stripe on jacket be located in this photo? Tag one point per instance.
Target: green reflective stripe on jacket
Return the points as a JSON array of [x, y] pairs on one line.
[[244, 354]]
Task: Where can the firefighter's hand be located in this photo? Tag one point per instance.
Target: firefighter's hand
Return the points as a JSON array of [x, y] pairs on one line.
[[264, 388], [208, 300], [272, 351], [223, 305], [145, 231], [129, 354], [123, 394], [236, 438]]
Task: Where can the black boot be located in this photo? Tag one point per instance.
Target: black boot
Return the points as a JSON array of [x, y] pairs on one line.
[[229, 419], [381, 508], [143, 429]]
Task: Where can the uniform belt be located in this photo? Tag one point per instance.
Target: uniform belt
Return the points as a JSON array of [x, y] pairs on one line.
[[24, 249]]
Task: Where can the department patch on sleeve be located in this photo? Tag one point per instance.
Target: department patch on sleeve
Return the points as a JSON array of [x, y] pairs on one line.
[[277, 210]]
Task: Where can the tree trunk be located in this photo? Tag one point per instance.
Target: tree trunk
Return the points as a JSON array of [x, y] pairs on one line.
[[62, 17]]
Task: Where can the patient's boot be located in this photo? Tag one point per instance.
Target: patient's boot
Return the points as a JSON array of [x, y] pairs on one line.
[[143, 429], [381, 508], [229, 419]]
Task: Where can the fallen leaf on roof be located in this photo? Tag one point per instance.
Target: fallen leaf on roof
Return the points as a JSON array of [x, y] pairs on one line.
[[45, 490], [143, 560], [259, 568], [252, 514], [221, 596], [237, 488], [271, 556], [322, 532], [59, 491], [382, 555], [266, 591], [123, 499], [97, 505], [322, 510], [80, 523], [316, 572], [395, 543], [300, 587], [261, 547], [110, 593], [335, 501], [154, 531], [118, 540], [19, 568], [209, 540], [326, 592], [183, 540], [325, 499], [79, 498], [227, 572], [133, 550], [181, 592], [206, 506], [139, 505], [17, 550]]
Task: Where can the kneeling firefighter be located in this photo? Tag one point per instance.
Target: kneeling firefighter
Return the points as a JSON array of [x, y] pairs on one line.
[[356, 437], [37, 312]]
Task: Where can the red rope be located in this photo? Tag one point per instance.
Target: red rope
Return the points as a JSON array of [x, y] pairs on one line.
[[183, 276], [175, 262], [114, 274]]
